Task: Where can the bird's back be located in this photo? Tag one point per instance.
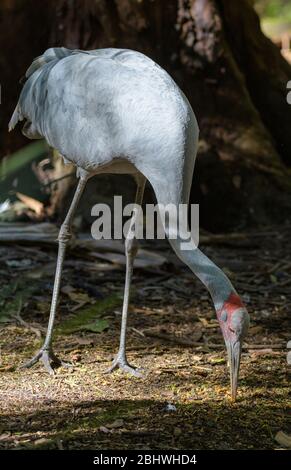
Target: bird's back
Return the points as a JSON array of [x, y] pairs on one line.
[[94, 106]]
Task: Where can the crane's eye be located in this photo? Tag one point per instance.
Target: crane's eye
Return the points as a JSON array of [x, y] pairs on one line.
[[223, 316]]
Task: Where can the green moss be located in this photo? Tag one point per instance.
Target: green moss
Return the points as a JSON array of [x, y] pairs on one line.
[[90, 318], [12, 297]]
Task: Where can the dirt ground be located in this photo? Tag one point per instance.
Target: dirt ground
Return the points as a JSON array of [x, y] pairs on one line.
[[183, 401]]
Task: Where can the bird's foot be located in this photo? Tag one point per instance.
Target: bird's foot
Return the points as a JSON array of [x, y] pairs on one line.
[[49, 360], [121, 362]]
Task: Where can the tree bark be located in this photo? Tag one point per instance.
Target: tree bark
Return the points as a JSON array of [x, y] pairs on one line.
[[265, 70], [25, 28], [234, 78]]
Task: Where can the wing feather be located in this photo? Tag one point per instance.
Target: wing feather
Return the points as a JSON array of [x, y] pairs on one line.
[[52, 54]]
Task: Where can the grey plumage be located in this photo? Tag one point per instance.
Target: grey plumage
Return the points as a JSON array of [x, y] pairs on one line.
[[54, 53], [32, 97]]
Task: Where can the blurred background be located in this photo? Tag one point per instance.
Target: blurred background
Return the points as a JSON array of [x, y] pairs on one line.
[[230, 59]]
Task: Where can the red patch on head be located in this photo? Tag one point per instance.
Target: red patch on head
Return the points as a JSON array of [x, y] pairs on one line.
[[225, 314], [232, 304]]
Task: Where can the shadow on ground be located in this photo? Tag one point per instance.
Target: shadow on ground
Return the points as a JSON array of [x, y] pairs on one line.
[[144, 424]]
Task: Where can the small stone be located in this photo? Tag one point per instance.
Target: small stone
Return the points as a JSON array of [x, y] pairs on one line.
[[170, 407]]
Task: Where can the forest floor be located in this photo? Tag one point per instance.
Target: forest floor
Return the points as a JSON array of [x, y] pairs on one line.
[[183, 401]]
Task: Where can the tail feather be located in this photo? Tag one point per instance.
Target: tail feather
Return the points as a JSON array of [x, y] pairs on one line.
[[16, 117], [52, 54], [49, 55]]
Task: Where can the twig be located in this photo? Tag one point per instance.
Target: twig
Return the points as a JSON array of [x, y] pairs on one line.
[[58, 179], [24, 323], [173, 339], [264, 346]]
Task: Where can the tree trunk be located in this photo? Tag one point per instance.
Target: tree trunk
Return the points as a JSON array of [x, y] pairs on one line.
[[234, 78], [25, 27]]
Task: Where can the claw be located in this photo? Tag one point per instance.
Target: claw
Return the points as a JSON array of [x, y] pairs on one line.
[[121, 363], [49, 359]]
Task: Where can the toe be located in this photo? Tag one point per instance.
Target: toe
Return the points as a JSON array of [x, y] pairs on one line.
[[49, 360], [125, 367], [113, 367], [31, 362], [47, 363], [66, 364], [132, 371]]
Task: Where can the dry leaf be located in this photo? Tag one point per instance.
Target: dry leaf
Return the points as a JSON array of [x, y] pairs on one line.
[[42, 441], [79, 297], [7, 369], [104, 429], [263, 352], [118, 423], [254, 330], [84, 341], [67, 289], [283, 439], [31, 203]]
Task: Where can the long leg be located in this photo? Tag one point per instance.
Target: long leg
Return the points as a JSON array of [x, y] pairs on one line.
[[131, 248], [46, 354]]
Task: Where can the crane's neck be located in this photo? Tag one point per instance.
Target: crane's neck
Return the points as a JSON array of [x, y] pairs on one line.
[[219, 286]]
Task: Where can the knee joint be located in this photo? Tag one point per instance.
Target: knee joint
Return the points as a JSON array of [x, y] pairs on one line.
[[131, 247], [64, 233]]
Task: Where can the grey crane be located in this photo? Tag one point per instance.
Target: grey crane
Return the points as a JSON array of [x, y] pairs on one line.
[[117, 111]]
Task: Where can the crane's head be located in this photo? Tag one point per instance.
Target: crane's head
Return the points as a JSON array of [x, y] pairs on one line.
[[234, 323]]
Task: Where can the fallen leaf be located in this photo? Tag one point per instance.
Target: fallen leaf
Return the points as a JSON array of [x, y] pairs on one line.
[[31, 203], [7, 369], [97, 327], [84, 341], [67, 289], [43, 307], [218, 360], [104, 429], [263, 352], [76, 356], [42, 442], [79, 297], [255, 330], [283, 439], [18, 263], [118, 423]]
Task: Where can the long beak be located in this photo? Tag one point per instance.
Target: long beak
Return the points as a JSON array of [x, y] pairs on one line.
[[234, 354]]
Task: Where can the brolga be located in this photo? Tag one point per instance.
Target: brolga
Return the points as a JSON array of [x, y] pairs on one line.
[[117, 111]]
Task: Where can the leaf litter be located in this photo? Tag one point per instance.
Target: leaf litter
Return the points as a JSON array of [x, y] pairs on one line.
[[173, 334]]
